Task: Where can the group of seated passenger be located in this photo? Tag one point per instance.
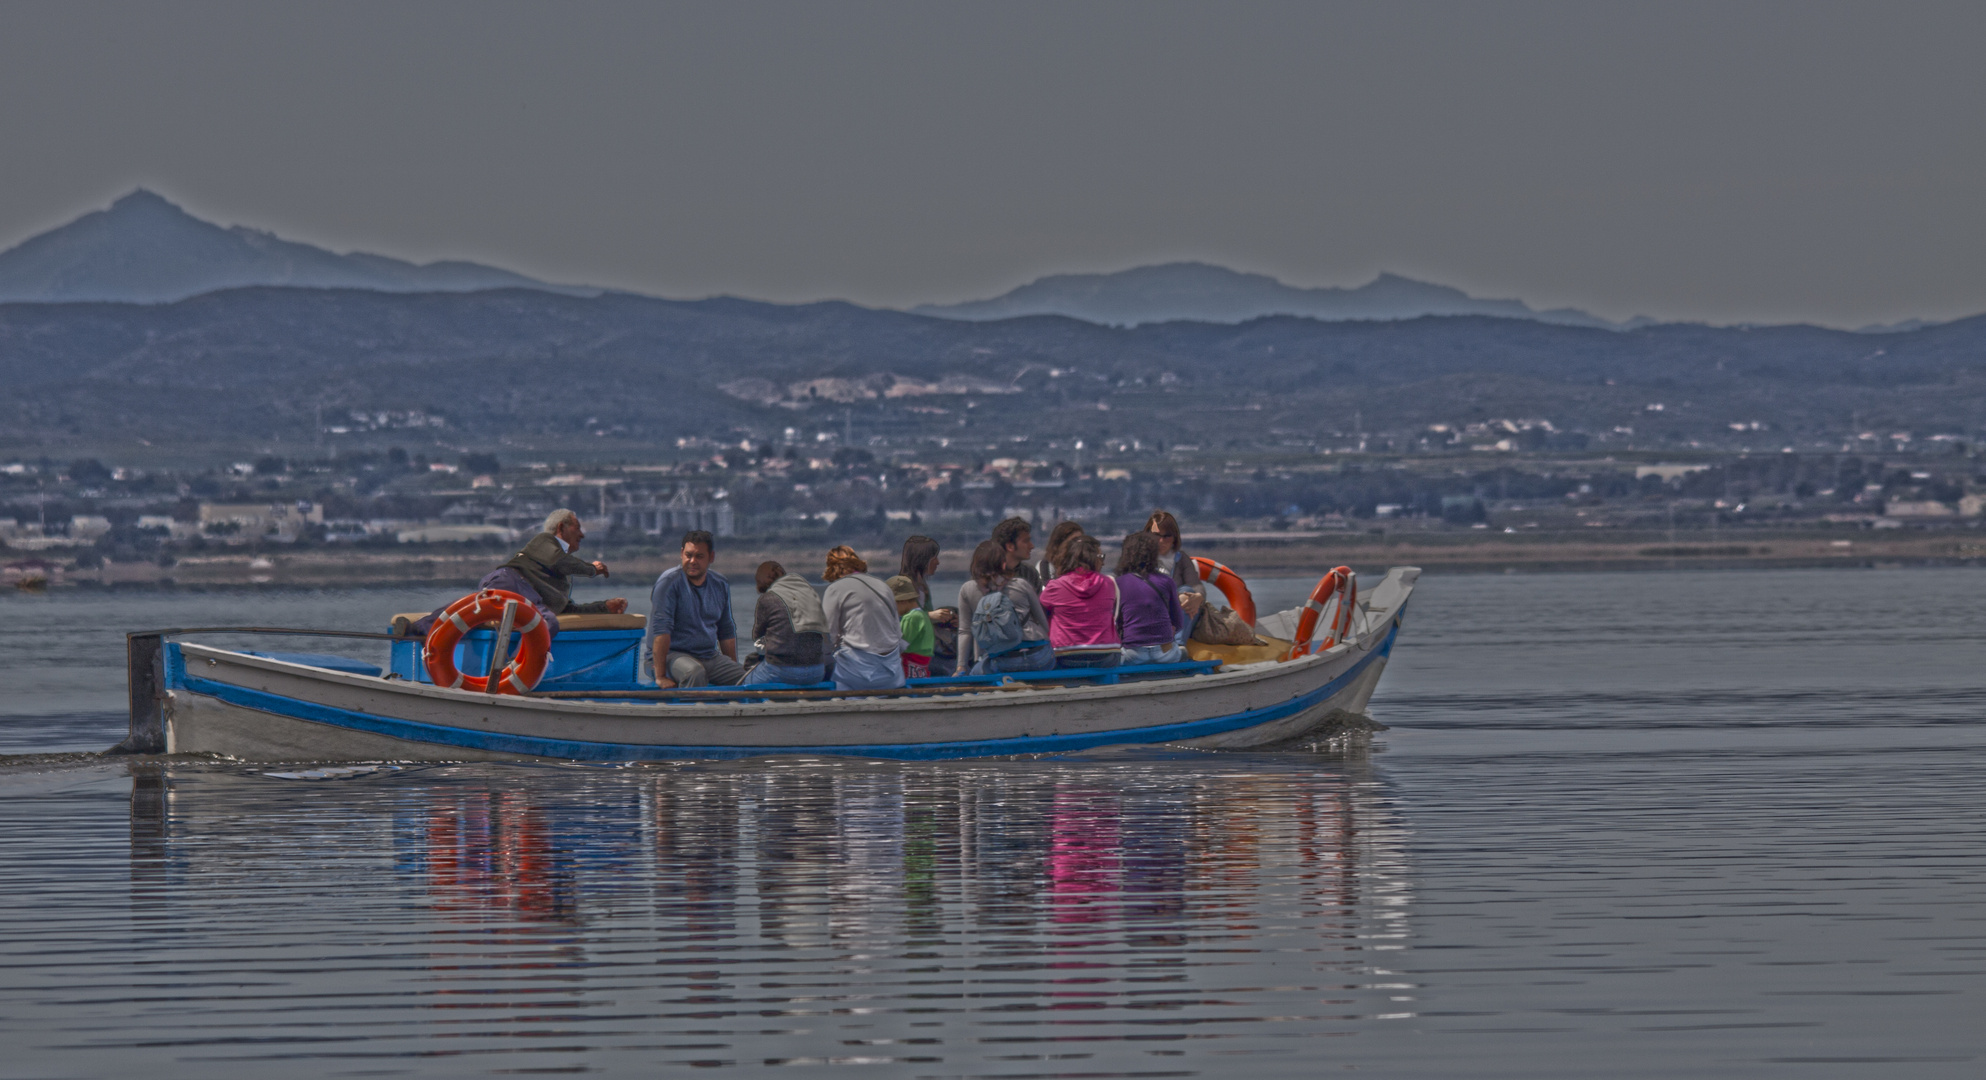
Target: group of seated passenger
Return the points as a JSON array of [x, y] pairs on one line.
[[1064, 612], [1014, 614], [850, 634]]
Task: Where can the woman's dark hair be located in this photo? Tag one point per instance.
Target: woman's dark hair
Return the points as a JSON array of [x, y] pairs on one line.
[[1011, 530], [1081, 551], [989, 564], [918, 553], [1141, 554], [1063, 533], [1164, 524], [769, 572]]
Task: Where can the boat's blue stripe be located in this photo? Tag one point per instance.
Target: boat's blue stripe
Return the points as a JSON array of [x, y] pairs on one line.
[[577, 750]]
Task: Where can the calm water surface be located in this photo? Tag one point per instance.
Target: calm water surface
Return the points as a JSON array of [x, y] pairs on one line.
[[1709, 824]]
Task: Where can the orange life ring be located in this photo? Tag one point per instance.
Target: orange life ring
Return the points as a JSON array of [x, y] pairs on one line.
[[1341, 583], [485, 608], [1230, 585]]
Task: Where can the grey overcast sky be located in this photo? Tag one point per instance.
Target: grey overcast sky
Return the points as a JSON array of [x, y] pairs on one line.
[[1724, 161]]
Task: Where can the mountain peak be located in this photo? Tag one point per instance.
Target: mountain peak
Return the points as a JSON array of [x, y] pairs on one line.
[[140, 199], [1205, 292], [145, 248]]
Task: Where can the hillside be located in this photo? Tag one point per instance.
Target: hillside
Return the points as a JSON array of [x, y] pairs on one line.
[[621, 375], [1199, 292]]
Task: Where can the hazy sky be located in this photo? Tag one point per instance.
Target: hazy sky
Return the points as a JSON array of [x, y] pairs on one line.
[[1725, 161]]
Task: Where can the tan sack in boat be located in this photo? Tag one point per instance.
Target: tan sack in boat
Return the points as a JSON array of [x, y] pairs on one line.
[[1222, 626]]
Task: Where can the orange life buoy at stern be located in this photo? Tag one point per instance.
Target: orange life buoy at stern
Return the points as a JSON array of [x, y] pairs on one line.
[[485, 608]]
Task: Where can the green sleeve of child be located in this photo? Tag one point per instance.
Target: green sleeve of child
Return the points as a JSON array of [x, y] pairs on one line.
[[918, 636]]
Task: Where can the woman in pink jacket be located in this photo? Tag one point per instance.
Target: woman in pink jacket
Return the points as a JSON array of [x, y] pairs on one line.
[[1082, 607]]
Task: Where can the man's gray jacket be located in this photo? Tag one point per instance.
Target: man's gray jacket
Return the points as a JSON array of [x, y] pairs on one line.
[[550, 569]]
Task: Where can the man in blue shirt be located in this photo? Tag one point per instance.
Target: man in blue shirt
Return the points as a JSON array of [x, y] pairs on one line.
[[691, 635]]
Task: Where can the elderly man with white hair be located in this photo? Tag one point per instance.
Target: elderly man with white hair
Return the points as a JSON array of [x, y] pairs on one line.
[[542, 573]]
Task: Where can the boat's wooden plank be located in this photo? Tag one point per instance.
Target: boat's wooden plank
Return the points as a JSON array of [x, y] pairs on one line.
[[566, 622]]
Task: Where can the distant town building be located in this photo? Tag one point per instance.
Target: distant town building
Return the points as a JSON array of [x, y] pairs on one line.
[[1668, 473], [30, 573], [1049, 515], [244, 522], [30, 536], [1927, 508], [165, 523], [673, 518], [525, 518], [441, 533]]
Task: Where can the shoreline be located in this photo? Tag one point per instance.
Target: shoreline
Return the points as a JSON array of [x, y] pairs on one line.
[[1498, 553]]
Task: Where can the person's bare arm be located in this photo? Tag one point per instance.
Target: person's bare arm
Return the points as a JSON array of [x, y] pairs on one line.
[[662, 678], [729, 646]]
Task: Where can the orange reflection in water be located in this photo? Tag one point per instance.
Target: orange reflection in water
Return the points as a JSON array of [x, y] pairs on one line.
[[495, 853]]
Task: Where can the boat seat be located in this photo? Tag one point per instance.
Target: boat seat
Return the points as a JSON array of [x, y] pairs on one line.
[[566, 622]]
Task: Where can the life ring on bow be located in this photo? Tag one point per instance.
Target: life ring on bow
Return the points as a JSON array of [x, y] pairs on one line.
[[1230, 585], [485, 608], [1340, 583]]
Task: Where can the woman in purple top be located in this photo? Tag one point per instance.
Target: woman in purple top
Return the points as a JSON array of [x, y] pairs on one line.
[[1148, 616]]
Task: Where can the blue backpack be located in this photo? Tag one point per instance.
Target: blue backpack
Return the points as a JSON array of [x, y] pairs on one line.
[[996, 625]]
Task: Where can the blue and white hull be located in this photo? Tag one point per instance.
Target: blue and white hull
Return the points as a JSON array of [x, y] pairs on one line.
[[260, 708]]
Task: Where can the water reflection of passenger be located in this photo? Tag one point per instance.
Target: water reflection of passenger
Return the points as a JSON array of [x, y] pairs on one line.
[[1325, 834], [1157, 827], [868, 812], [795, 857], [930, 852], [697, 856], [1005, 837], [1028, 862], [1084, 856], [1225, 860]]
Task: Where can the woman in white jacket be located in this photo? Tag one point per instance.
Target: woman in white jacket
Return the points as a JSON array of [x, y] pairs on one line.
[[862, 624]]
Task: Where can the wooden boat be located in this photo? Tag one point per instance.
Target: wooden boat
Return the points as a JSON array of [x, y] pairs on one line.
[[192, 698]]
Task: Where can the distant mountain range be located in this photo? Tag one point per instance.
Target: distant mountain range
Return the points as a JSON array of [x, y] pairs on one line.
[[1200, 292], [145, 249]]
